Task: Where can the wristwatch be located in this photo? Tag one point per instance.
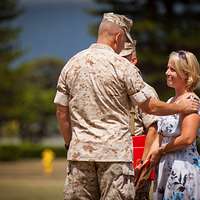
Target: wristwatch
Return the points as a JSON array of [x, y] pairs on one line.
[[67, 147]]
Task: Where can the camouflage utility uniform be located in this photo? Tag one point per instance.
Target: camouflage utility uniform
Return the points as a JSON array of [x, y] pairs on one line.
[[99, 86], [142, 122], [139, 120]]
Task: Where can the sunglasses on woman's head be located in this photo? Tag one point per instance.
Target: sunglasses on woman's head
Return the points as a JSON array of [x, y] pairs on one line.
[[182, 54]]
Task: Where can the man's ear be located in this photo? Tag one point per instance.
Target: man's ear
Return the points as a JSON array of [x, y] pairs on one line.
[[117, 42], [118, 37]]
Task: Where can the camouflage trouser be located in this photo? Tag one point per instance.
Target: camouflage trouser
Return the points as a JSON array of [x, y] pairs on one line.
[[99, 181], [142, 193]]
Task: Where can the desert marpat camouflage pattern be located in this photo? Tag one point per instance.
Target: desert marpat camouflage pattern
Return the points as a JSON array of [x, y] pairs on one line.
[[143, 120], [128, 49], [139, 120], [99, 85], [114, 180], [120, 20]]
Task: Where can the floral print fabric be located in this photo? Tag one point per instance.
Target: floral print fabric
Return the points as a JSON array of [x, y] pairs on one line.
[[178, 175]]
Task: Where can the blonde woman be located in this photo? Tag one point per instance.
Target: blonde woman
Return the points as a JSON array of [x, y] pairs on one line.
[[179, 167]]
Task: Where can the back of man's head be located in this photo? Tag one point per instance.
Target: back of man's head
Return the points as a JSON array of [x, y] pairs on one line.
[[120, 20], [114, 31], [110, 28]]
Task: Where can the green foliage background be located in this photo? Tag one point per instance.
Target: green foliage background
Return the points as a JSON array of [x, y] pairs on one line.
[[160, 27], [27, 90]]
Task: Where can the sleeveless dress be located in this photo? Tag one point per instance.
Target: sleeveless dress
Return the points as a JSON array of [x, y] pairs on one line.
[[178, 175]]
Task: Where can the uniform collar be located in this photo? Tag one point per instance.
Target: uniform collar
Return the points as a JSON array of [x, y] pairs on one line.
[[101, 46]]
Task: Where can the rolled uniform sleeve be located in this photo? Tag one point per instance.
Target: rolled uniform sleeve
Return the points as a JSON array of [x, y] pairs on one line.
[[136, 88], [147, 118], [62, 94]]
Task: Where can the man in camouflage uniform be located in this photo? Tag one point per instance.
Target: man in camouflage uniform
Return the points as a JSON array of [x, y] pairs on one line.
[[94, 94], [141, 123]]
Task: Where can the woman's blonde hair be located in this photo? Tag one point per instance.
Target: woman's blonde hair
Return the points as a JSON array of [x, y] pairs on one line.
[[187, 67]]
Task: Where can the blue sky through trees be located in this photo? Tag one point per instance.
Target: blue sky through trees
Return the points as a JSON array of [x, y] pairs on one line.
[[54, 28]]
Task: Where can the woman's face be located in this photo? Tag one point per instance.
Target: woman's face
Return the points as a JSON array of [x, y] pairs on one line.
[[174, 80]]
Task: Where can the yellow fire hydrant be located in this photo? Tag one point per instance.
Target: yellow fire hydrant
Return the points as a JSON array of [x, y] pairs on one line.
[[47, 161]]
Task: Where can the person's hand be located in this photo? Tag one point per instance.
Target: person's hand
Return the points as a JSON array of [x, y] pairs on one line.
[[189, 105], [154, 156], [137, 172]]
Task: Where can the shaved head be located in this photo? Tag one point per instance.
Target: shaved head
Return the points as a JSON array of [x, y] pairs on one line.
[[111, 34], [109, 28]]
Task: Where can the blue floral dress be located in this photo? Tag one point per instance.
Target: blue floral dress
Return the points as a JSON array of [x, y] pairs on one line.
[[178, 175]]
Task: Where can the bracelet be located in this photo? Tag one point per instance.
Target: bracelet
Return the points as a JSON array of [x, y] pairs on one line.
[[67, 147]]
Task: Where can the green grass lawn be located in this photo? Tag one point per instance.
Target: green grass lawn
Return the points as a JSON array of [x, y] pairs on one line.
[[24, 180]]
